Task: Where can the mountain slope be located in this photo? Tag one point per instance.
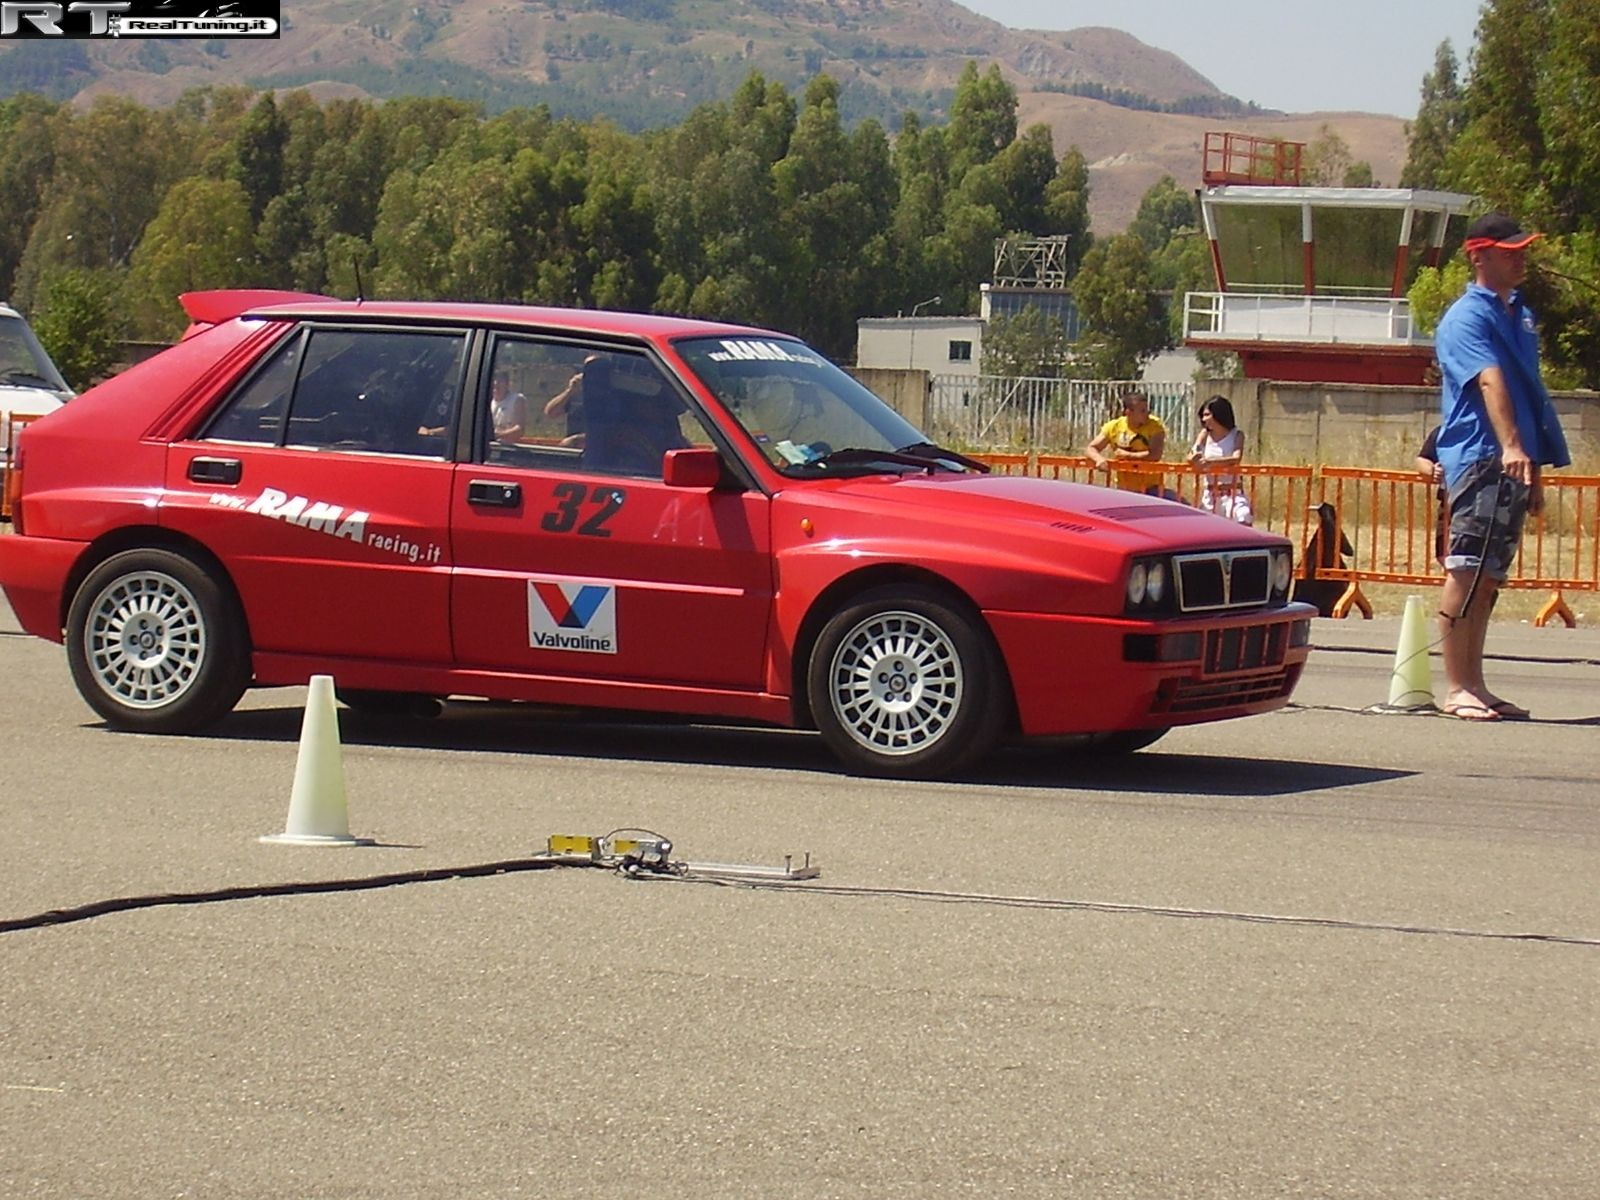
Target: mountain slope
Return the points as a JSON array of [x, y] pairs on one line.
[[645, 63]]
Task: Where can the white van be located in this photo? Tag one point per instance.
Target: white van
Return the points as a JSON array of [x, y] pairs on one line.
[[30, 385]]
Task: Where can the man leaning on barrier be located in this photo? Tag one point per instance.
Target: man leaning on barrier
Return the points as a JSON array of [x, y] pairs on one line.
[[1135, 436], [1498, 429]]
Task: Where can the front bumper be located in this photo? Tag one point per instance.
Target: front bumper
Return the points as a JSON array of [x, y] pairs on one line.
[[1098, 674]]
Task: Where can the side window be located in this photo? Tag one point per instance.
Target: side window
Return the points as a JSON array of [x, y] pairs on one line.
[[566, 407], [254, 413], [390, 392]]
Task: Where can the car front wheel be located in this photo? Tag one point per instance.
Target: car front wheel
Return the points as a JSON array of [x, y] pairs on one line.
[[156, 644], [902, 683]]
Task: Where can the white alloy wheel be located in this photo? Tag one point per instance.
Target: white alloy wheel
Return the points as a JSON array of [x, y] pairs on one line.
[[904, 680], [157, 642], [896, 683], [145, 639]]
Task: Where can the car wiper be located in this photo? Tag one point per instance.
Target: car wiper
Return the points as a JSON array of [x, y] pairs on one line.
[[28, 379], [940, 453], [858, 456]]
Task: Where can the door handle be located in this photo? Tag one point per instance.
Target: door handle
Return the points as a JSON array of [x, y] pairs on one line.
[[215, 470], [491, 493]]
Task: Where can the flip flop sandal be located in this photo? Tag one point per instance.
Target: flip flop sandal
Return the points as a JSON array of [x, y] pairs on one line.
[[1470, 712]]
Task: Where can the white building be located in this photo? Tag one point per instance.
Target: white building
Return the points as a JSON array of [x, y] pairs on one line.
[[937, 345]]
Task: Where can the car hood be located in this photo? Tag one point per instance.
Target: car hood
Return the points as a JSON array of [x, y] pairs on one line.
[[29, 401], [24, 402], [1129, 520]]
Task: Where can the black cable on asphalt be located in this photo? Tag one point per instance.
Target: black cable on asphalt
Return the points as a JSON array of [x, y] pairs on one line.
[[100, 908], [64, 916]]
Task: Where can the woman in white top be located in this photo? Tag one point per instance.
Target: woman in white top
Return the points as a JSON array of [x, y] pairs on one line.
[[1220, 446]]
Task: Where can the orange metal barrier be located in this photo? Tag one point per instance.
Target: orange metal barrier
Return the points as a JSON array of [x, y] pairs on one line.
[[1280, 497], [1392, 517], [1354, 525], [10, 426]]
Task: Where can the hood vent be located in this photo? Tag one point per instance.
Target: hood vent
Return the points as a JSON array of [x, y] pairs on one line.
[[1146, 512]]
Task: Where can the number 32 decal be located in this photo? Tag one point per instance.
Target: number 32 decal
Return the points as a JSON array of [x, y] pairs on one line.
[[563, 518]]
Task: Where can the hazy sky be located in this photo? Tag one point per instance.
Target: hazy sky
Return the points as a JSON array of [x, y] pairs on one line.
[[1296, 55]]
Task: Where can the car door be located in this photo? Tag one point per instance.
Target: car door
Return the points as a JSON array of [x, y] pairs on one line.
[[316, 485], [574, 558]]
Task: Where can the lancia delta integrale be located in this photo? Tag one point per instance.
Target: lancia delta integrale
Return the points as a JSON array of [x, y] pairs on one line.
[[609, 510]]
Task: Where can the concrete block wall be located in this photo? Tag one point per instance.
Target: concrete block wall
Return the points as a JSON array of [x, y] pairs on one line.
[[1359, 425]]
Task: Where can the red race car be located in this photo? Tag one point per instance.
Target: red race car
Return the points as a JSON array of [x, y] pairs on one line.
[[609, 510]]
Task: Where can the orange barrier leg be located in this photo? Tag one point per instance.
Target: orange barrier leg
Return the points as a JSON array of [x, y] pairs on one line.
[[1556, 606], [1353, 597]]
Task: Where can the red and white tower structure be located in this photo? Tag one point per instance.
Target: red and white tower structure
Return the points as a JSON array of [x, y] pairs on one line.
[[1312, 281]]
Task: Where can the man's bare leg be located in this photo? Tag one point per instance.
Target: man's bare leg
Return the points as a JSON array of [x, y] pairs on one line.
[[1463, 639]]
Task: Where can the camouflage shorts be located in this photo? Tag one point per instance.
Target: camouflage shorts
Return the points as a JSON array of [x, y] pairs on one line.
[[1487, 509]]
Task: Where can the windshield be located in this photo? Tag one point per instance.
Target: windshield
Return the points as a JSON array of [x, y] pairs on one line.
[[798, 407], [23, 362]]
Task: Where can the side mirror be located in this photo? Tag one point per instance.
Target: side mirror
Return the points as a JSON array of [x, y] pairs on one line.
[[697, 467]]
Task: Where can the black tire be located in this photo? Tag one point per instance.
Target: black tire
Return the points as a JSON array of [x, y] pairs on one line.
[[903, 683], [1126, 741], [389, 704], [157, 643]]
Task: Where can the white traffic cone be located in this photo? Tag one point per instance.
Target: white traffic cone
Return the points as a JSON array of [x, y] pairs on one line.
[[317, 814], [1411, 681]]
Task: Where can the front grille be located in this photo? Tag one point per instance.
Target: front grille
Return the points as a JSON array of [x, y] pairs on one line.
[[1194, 695], [1226, 579], [1245, 648]]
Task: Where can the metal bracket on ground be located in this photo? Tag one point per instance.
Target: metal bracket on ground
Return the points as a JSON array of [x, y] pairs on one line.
[[644, 853]]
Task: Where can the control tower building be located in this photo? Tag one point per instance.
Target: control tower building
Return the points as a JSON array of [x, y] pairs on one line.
[[1311, 281]]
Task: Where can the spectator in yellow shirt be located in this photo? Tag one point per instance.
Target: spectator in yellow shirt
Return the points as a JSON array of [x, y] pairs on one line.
[[1135, 436]]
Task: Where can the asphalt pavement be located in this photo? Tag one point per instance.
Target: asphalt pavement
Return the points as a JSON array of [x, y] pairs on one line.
[[1327, 952]]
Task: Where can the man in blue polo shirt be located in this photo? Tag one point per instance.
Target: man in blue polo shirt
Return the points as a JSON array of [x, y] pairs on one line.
[[1498, 429]]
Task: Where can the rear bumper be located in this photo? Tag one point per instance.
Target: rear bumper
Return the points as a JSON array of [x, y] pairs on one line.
[[33, 573], [1096, 674]]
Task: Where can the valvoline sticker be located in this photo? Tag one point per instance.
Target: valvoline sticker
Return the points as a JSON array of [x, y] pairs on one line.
[[575, 615]]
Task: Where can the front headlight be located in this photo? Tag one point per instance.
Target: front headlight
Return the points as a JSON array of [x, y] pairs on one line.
[[1155, 582], [1138, 581], [1282, 571], [1149, 583]]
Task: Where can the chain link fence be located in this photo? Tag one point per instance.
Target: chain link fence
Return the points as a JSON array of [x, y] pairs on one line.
[[996, 412]]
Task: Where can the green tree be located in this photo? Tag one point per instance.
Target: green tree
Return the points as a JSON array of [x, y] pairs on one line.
[[1066, 205], [27, 160], [112, 166], [1530, 146], [1028, 343], [1164, 210], [829, 221], [1123, 317], [1024, 171], [78, 323], [1439, 120], [200, 238], [1434, 290], [258, 154], [983, 117], [1326, 158]]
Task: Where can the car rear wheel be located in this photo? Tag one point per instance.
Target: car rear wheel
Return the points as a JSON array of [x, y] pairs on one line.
[[902, 683], [156, 643]]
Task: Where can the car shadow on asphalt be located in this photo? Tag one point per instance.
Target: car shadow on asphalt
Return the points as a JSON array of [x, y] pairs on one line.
[[481, 727]]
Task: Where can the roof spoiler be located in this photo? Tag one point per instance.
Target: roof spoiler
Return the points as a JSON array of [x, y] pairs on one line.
[[206, 309]]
